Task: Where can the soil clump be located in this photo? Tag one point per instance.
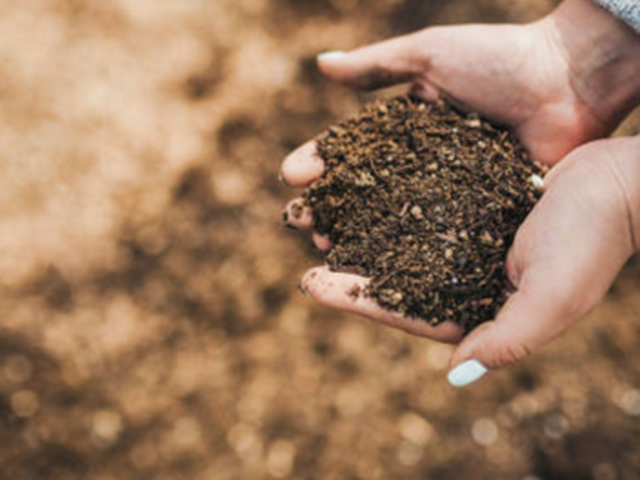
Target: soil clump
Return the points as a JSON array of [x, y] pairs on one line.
[[424, 200]]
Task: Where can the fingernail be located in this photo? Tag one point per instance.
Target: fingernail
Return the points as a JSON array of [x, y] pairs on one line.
[[331, 55], [285, 220], [304, 281], [466, 373], [302, 289], [295, 209]]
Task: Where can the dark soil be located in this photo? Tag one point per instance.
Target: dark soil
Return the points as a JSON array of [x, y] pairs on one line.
[[425, 200]]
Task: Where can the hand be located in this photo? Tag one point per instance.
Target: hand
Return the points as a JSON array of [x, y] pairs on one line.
[[557, 89], [559, 82], [565, 256]]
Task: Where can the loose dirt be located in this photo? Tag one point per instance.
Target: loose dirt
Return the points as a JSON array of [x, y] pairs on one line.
[[425, 200]]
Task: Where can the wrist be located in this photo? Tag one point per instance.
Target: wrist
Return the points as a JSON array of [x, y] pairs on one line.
[[602, 55]]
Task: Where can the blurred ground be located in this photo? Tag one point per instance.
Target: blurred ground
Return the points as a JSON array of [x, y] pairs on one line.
[[150, 326]]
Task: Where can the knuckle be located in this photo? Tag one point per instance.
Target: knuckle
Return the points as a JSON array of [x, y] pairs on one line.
[[512, 353], [500, 351]]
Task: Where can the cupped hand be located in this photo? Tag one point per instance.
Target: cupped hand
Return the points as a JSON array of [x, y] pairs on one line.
[[565, 256], [517, 75], [563, 260], [570, 249], [512, 74]]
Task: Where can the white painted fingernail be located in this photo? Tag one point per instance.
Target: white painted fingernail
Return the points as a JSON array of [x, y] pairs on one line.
[[537, 181], [466, 373], [331, 55]]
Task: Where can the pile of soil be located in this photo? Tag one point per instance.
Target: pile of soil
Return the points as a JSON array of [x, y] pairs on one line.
[[425, 200]]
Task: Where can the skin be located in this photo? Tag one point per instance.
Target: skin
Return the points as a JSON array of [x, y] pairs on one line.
[[560, 82]]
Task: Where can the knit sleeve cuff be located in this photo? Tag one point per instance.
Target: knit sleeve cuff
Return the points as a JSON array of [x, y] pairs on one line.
[[627, 10]]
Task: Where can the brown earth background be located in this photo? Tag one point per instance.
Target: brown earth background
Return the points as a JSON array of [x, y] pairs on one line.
[[150, 325]]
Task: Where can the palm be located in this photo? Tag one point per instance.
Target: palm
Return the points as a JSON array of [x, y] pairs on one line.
[[577, 238]]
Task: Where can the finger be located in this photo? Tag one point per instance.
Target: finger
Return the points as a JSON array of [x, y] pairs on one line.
[[322, 242], [347, 292], [380, 65], [303, 166], [297, 215]]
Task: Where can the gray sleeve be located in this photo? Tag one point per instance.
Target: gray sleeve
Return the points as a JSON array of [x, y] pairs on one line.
[[627, 10]]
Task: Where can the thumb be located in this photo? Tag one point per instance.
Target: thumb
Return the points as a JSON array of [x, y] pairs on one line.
[[529, 319], [383, 64]]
